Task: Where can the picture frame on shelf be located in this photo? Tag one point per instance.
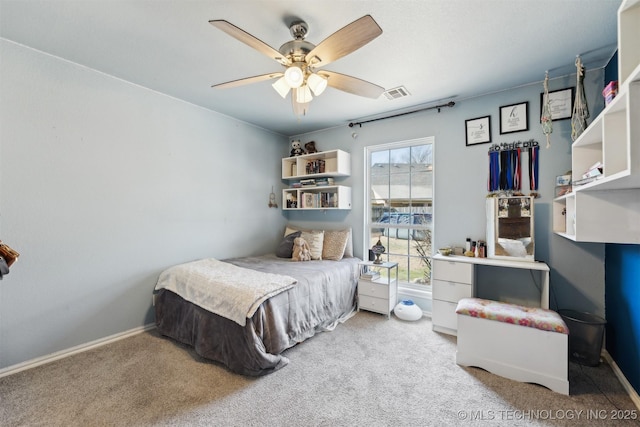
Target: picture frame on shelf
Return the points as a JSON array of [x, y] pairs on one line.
[[560, 102], [478, 130], [514, 118]]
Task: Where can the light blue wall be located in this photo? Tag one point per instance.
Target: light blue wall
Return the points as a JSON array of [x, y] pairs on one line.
[[577, 269], [103, 185]]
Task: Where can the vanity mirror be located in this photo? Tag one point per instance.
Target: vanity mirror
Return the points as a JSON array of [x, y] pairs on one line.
[[510, 228]]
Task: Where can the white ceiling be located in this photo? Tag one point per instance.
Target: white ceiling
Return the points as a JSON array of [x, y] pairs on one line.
[[440, 50]]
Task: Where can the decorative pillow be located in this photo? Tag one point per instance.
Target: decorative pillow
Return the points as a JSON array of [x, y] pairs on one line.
[[348, 250], [315, 240], [290, 229], [335, 242], [285, 248]]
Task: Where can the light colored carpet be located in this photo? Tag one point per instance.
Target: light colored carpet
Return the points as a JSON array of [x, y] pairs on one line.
[[370, 371]]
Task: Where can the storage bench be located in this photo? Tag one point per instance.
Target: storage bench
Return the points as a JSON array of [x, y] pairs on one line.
[[525, 344]]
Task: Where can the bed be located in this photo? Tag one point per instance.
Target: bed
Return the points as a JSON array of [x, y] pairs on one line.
[[323, 295]]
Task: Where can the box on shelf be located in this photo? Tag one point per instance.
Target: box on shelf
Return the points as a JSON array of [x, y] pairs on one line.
[[610, 91], [563, 179], [595, 170]]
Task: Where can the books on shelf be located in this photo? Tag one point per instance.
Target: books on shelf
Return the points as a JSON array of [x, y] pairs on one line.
[[315, 166], [586, 180], [323, 182], [370, 275], [319, 200]]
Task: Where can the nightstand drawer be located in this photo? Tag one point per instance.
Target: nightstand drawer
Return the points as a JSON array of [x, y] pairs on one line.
[[451, 291], [378, 290], [380, 305], [451, 271]]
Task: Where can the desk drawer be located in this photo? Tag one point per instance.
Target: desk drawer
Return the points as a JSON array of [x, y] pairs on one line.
[[444, 315], [373, 289], [451, 271], [451, 291]]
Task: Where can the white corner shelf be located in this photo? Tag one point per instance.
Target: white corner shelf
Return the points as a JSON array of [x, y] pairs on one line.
[[608, 209], [628, 40]]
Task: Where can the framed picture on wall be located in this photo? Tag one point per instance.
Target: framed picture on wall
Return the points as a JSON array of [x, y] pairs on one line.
[[561, 103], [513, 118], [478, 130]]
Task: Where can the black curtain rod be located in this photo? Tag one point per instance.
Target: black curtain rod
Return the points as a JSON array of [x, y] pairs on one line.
[[448, 104]]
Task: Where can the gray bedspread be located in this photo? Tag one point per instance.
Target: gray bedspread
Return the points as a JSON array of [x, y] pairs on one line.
[[324, 296]]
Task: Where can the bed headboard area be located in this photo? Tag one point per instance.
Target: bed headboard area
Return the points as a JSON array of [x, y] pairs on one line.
[[328, 244]]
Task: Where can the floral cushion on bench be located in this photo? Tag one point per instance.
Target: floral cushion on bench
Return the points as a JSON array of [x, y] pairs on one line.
[[534, 317]]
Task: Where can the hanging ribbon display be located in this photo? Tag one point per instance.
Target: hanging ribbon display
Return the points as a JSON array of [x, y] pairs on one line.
[[505, 166], [533, 168], [515, 162], [494, 171]]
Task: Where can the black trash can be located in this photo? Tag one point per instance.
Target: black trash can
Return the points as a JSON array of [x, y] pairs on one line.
[[586, 332]]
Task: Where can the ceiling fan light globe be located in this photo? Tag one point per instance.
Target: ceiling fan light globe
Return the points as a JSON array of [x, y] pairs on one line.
[[317, 83], [303, 95], [281, 87], [294, 76]]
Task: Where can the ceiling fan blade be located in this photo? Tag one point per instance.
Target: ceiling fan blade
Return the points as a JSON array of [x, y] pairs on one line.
[[352, 84], [344, 41], [249, 40], [247, 80]]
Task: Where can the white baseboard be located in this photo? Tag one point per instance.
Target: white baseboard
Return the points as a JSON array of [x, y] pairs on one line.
[[635, 398], [29, 364]]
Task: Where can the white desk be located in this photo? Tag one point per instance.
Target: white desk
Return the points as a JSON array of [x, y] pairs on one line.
[[454, 277]]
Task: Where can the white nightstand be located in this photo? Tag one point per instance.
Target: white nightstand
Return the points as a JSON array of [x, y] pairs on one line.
[[378, 293]]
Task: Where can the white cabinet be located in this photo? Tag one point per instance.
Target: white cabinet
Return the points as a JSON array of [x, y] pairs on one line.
[[451, 281], [378, 293], [317, 171], [608, 209]]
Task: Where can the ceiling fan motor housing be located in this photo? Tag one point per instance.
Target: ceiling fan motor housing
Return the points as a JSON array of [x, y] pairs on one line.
[[296, 50]]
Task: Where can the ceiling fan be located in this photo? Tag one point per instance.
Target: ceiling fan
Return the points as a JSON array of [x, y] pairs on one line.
[[301, 60]]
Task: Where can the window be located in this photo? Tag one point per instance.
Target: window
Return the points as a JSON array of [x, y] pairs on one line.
[[399, 181]]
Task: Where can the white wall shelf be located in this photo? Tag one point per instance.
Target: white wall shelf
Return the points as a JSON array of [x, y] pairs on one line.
[[321, 197], [336, 163], [608, 209], [325, 164]]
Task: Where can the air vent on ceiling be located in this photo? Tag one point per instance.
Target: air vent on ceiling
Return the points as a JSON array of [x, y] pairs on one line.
[[398, 92]]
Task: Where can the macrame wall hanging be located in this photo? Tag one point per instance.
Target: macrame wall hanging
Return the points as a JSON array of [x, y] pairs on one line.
[[580, 108], [546, 119], [505, 167]]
